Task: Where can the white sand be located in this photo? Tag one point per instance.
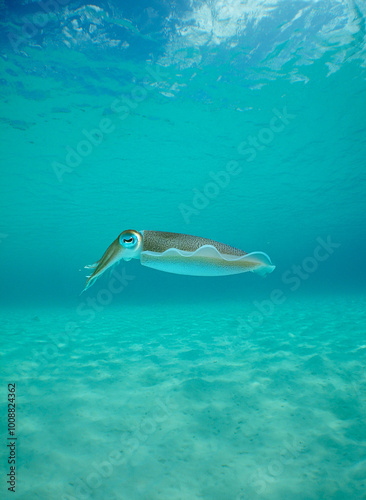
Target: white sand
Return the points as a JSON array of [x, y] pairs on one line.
[[180, 403]]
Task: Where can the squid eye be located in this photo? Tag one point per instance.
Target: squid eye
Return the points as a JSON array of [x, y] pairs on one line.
[[127, 241]]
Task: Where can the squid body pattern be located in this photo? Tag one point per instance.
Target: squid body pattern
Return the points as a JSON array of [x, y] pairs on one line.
[[180, 254]]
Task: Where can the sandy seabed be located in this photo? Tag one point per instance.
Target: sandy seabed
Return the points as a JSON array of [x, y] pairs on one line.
[[186, 402]]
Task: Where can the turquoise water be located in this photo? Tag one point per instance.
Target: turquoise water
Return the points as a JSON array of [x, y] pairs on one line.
[[243, 124]]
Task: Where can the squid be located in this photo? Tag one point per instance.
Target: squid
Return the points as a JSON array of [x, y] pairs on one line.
[[179, 254]]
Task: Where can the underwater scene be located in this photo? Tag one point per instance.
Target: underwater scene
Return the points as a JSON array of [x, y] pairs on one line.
[[182, 238]]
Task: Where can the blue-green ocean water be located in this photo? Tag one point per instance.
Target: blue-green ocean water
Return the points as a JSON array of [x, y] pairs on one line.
[[239, 122]]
